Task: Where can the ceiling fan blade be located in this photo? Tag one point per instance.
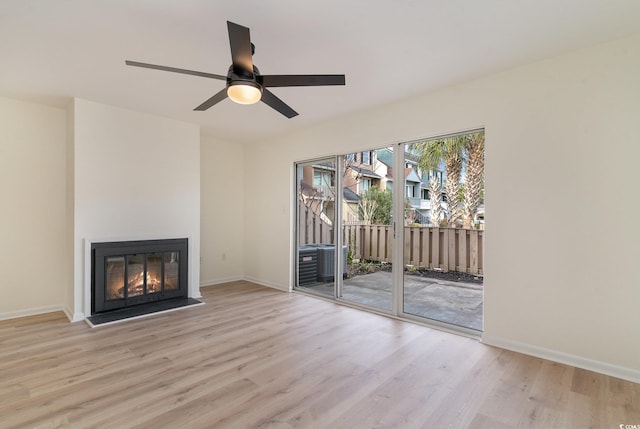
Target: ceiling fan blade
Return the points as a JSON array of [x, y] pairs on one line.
[[274, 102], [240, 42], [213, 100], [302, 80], [174, 70]]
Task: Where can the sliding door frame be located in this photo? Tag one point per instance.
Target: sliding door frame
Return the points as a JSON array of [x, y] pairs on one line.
[[337, 230], [295, 244], [397, 252], [398, 201]]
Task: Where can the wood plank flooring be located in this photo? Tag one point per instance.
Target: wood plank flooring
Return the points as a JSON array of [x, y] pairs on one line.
[[254, 357]]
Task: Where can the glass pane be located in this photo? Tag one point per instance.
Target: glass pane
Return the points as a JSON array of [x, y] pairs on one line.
[[367, 227], [135, 270], [443, 232], [316, 195], [115, 277], [154, 273], [171, 270]]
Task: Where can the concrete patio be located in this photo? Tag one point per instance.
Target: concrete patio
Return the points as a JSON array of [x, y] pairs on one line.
[[442, 300]]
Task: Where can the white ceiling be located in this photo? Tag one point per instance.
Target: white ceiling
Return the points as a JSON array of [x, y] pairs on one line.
[[51, 50]]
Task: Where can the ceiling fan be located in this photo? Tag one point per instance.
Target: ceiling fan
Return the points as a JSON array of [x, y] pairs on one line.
[[245, 84]]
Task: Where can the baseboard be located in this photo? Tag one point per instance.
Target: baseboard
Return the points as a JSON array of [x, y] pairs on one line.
[[73, 317], [266, 283], [31, 312], [207, 283], [624, 373]]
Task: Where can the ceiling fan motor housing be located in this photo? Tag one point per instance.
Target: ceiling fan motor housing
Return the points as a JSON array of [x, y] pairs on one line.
[[238, 74]]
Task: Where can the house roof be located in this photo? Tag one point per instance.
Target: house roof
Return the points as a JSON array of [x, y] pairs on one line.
[[350, 196], [51, 53], [325, 166], [366, 173], [410, 175], [385, 156]]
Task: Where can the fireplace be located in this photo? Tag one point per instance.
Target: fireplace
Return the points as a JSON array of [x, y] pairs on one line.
[[128, 274]]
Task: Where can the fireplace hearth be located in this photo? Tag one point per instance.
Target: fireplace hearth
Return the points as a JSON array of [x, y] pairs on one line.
[[129, 277]]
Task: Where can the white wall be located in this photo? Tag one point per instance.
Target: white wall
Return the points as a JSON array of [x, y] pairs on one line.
[[222, 211], [72, 294], [32, 208], [561, 196], [137, 176]]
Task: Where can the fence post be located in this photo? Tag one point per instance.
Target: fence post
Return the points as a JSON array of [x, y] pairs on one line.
[[473, 251], [435, 243], [388, 232], [415, 245], [462, 252], [451, 250], [425, 249], [480, 252], [444, 248], [406, 250], [366, 242]]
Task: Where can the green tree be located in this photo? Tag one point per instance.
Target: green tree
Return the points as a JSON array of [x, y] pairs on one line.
[[474, 185], [367, 208], [448, 150], [379, 204]]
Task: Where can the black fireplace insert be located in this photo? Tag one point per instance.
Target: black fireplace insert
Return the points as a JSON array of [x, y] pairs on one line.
[[130, 273]]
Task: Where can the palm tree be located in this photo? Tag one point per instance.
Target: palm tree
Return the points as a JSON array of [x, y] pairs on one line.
[[474, 152], [435, 192], [450, 151]]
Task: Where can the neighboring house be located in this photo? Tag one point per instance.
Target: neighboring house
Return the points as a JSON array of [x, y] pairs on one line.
[[364, 170], [350, 208], [360, 172], [417, 192], [317, 188], [384, 167], [413, 196]]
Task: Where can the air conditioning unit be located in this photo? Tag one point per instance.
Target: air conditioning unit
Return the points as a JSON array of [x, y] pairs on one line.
[[326, 262], [307, 265]]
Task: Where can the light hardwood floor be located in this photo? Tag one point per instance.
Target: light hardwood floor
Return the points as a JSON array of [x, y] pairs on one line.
[[254, 357]]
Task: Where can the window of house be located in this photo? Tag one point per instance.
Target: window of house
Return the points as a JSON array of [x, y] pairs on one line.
[[322, 178], [425, 194], [351, 157], [366, 157], [365, 184], [410, 191]]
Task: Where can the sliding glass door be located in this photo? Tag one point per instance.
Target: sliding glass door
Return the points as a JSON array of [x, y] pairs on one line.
[[379, 229], [367, 229], [443, 233], [315, 214]]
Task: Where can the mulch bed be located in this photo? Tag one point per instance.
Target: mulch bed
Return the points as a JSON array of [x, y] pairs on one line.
[[361, 268]]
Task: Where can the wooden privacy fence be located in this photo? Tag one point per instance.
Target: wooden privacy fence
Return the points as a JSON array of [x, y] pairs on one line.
[[311, 228], [447, 249]]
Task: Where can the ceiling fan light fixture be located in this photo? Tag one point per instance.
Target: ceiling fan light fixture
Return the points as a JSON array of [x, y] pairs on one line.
[[244, 92]]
